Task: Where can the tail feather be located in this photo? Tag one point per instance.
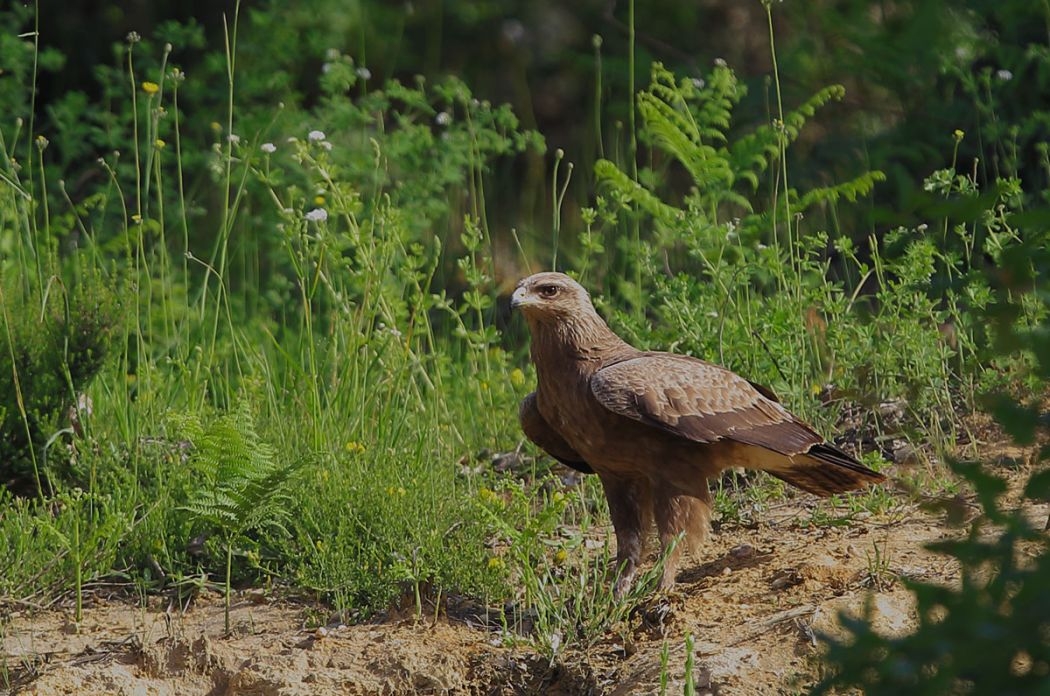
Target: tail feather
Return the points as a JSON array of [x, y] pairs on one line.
[[825, 470]]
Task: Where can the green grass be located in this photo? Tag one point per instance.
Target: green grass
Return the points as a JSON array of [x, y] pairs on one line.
[[327, 281]]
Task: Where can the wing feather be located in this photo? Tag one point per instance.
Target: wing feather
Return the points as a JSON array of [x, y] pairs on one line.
[[699, 401]]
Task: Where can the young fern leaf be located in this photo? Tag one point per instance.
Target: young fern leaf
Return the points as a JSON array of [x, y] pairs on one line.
[[241, 483], [850, 190], [690, 120], [634, 192]]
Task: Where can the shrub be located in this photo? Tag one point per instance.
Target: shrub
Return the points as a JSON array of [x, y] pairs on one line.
[[990, 633], [54, 345]]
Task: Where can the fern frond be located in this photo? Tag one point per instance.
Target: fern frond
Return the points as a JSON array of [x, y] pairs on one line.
[[850, 190], [241, 483], [630, 190], [796, 119]]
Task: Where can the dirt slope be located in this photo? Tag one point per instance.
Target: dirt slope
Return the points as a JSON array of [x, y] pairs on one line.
[[755, 603]]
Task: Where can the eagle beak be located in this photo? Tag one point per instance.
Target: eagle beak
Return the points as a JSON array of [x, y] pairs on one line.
[[519, 298]]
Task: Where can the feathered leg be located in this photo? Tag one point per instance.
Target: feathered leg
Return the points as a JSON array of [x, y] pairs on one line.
[[677, 514], [630, 506]]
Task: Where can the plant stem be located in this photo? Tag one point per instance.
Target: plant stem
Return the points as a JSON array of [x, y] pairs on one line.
[[229, 569], [633, 152], [78, 571]]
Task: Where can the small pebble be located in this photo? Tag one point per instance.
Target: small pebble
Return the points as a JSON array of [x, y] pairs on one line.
[[742, 551]]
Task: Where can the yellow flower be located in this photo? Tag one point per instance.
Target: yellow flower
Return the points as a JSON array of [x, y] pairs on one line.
[[958, 135], [318, 200], [496, 563], [517, 377], [561, 556], [150, 88], [159, 144], [354, 447]]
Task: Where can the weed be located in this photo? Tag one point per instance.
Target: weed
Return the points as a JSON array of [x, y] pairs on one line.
[[242, 488], [568, 595], [879, 576]]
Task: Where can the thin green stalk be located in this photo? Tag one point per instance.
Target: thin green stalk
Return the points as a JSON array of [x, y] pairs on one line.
[[783, 144], [177, 77], [229, 573], [795, 263], [30, 217], [222, 242], [636, 227], [132, 40], [690, 667], [665, 668], [597, 42], [78, 570], [559, 200], [152, 134]]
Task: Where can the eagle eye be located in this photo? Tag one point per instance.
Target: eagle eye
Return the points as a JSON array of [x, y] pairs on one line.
[[547, 291]]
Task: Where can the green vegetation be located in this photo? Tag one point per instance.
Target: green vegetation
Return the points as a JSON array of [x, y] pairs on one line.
[[261, 339]]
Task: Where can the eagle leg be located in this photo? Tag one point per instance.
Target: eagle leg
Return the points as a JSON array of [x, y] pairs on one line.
[[682, 521], [630, 507]]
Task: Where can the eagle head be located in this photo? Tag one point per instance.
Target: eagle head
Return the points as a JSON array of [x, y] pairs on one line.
[[550, 296]]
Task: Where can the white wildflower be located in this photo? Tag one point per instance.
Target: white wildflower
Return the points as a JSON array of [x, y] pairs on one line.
[[315, 136], [364, 73], [443, 119], [268, 148], [325, 144], [513, 31], [234, 138], [1004, 75], [317, 215]]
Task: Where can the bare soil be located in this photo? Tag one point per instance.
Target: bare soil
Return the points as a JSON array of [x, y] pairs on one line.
[[756, 603]]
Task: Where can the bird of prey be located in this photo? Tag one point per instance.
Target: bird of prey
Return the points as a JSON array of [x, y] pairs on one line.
[[655, 427]]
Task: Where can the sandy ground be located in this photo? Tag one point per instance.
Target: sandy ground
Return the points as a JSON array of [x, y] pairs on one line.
[[756, 603]]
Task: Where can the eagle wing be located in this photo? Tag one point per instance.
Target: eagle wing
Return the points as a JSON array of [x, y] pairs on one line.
[[539, 431], [699, 401], [705, 403]]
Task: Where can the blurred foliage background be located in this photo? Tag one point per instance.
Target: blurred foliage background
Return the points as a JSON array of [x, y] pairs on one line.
[[914, 72]]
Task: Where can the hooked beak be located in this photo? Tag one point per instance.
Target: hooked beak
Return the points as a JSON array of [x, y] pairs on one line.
[[519, 298]]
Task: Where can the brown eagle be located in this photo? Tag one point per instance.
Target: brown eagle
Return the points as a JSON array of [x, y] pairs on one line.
[[656, 426]]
